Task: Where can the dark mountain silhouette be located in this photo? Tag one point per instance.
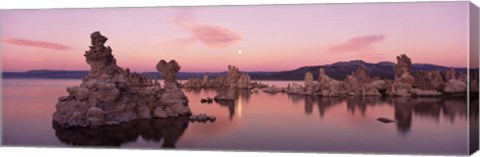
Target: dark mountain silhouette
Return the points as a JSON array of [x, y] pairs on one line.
[[338, 70]]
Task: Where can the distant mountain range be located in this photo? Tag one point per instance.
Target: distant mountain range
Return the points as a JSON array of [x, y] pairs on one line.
[[338, 70]]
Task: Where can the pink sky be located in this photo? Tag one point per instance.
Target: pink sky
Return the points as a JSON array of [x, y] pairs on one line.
[[271, 37]]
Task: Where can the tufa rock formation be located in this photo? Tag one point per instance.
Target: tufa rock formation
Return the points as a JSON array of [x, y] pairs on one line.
[[111, 95], [326, 85], [450, 74], [168, 70], [172, 102], [406, 83], [308, 79], [234, 78], [429, 80], [403, 68], [403, 77], [359, 83]]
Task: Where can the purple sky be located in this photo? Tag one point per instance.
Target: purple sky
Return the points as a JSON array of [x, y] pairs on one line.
[[270, 37]]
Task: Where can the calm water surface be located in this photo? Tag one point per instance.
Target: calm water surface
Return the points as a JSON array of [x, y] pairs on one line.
[[255, 121]]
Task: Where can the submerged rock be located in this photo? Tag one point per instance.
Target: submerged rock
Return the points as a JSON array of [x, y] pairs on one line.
[[206, 100], [110, 94], [385, 120]]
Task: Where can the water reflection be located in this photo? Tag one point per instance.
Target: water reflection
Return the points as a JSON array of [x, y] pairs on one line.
[[167, 131], [242, 97], [405, 108], [256, 121]]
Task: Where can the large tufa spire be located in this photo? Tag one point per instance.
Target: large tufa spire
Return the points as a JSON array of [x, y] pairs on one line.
[[99, 57], [404, 65]]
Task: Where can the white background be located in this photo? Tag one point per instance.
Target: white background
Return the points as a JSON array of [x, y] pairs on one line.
[[83, 152]]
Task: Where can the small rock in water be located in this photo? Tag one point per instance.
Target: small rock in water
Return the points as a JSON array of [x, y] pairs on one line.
[[202, 118], [206, 100], [212, 118], [385, 120]]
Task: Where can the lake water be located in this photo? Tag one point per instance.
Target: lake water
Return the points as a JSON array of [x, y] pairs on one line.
[[256, 121]]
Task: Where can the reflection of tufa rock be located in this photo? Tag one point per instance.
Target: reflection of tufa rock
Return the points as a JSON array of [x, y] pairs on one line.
[[202, 118], [168, 131], [112, 95], [225, 94]]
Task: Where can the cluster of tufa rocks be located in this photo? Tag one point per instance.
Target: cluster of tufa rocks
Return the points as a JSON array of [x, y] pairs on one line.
[[234, 78], [226, 85], [111, 95], [406, 83]]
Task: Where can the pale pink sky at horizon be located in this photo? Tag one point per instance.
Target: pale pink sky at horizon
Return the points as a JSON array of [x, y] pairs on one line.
[[271, 37]]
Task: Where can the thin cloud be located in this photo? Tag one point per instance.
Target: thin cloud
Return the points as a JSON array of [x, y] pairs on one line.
[[208, 34], [358, 44], [214, 36], [35, 43]]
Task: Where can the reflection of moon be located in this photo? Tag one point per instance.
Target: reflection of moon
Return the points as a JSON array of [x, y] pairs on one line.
[[240, 52]]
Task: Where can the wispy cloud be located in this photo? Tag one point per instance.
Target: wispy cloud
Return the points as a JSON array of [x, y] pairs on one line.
[[215, 36], [208, 34], [357, 44], [35, 43]]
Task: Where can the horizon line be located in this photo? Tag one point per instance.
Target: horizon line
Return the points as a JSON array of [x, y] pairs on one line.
[[75, 70]]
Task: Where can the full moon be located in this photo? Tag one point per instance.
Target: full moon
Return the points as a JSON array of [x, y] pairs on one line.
[[239, 52]]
